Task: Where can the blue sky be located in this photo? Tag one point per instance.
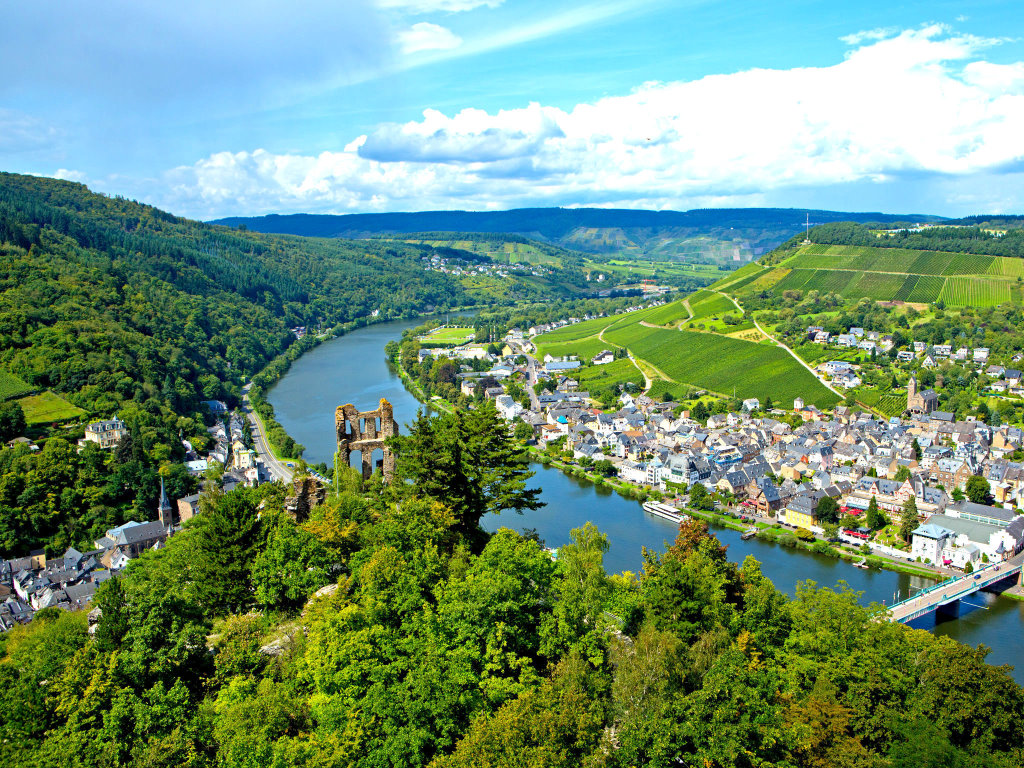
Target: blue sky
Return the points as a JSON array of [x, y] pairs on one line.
[[214, 109]]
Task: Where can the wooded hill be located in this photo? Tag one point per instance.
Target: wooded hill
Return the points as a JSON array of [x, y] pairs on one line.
[[592, 230], [122, 308], [436, 644]]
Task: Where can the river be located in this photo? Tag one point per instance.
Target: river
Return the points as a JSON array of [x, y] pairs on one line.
[[352, 369]]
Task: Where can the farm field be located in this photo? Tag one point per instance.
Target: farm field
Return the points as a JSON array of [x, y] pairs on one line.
[[894, 274], [577, 331], [715, 304], [12, 386], [47, 407], [725, 365]]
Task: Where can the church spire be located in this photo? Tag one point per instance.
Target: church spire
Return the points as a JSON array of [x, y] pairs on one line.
[[165, 512]]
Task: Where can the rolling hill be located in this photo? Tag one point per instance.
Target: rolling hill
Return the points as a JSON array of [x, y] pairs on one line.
[[704, 236]]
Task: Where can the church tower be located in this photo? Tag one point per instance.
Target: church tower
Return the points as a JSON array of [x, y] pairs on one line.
[[912, 398], [165, 513]]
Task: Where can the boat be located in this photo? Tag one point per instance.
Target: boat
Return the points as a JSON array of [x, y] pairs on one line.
[[749, 534], [664, 511], [862, 564]]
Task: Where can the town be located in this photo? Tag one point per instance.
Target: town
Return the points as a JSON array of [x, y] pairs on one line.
[[33, 582], [923, 487]]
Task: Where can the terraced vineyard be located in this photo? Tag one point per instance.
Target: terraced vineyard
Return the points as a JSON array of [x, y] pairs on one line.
[[891, 274]]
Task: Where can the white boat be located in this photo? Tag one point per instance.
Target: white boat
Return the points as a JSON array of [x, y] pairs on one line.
[[862, 564], [749, 534], [664, 511]]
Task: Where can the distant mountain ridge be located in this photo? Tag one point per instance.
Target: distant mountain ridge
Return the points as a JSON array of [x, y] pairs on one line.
[[594, 230]]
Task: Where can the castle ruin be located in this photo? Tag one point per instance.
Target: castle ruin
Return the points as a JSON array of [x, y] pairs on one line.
[[366, 431]]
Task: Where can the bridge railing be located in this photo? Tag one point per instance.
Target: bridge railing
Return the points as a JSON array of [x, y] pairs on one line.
[[968, 578]]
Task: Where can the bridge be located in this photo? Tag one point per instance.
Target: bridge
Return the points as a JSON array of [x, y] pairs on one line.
[[996, 576]]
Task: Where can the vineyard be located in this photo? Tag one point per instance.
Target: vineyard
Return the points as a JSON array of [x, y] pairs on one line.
[[726, 365], [893, 274], [12, 387]]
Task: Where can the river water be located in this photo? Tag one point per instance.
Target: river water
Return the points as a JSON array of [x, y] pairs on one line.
[[352, 369]]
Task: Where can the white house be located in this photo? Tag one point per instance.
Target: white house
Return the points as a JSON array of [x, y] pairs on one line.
[[833, 367], [633, 472], [603, 357]]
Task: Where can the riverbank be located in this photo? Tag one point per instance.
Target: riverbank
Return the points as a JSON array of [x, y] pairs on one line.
[[282, 445], [766, 531]]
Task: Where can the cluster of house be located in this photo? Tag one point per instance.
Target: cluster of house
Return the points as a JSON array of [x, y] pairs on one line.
[[241, 464], [930, 355], [30, 584], [441, 264], [554, 325], [783, 472]]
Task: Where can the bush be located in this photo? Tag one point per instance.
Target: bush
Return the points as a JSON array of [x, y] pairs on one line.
[[788, 540], [804, 535]]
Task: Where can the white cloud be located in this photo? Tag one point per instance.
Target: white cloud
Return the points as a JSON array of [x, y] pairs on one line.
[[69, 175], [868, 35], [920, 104], [427, 37], [437, 6]]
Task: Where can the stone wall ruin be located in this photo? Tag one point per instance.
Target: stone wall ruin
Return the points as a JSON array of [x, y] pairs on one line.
[[366, 431]]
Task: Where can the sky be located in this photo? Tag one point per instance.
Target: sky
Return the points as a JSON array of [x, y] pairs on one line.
[[353, 106]]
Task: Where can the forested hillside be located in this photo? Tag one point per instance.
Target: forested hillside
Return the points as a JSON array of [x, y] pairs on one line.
[[726, 236], [443, 646], [122, 308]]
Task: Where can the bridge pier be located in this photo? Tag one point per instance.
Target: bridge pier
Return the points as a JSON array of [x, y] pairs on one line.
[[948, 610]]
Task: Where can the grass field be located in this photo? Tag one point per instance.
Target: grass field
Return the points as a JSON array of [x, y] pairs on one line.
[[452, 336], [894, 274], [11, 386], [48, 407]]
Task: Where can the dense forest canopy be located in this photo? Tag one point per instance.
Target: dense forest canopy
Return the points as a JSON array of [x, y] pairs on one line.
[[124, 309], [438, 644]]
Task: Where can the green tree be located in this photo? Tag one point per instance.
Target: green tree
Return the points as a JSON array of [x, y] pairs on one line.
[[293, 565], [873, 518], [827, 510], [224, 541], [523, 431], [902, 473], [908, 521], [700, 499], [12, 420], [978, 489], [468, 462]]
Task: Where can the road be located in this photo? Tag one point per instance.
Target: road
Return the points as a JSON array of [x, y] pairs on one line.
[[795, 356], [277, 469], [963, 587]]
